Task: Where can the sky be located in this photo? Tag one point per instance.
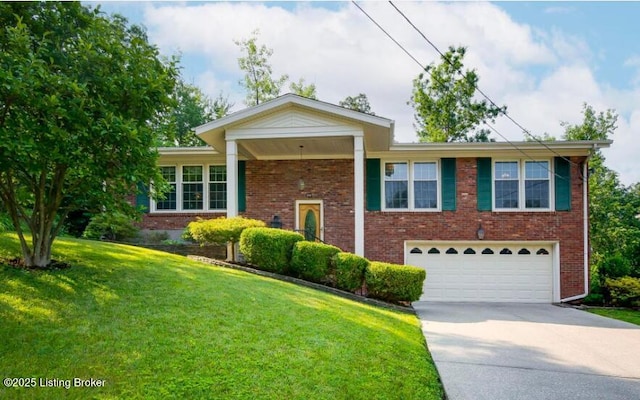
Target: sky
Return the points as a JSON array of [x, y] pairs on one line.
[[543, 60]]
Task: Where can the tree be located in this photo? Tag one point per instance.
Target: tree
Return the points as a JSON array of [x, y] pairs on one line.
[[443, 99], [191, 108], [79, 92], [258, 82], [614, 231], [357, 103], [308, 91]]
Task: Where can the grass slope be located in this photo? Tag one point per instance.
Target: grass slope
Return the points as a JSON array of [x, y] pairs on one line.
[[632, 316], [154, 325]]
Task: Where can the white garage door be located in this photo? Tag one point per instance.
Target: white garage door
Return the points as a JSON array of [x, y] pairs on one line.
[[488, 272]]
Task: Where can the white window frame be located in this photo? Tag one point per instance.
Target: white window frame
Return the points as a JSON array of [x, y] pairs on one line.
[[521, 185], [179, 191], [410, 185]]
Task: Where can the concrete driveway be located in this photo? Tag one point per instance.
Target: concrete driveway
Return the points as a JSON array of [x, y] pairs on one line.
[[531, 351]]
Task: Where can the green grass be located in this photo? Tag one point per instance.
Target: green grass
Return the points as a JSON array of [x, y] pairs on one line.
[[154, 325], [632, 316]]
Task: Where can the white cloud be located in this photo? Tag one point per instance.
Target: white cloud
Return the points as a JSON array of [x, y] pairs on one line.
[[543, 76]]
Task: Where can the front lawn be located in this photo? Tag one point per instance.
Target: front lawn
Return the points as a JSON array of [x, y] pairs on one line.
[[154, 326], [632, 316]]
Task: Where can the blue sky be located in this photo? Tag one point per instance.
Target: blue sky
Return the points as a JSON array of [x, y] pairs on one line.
[[541, 59]]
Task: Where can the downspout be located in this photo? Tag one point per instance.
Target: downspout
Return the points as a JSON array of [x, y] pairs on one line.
[[585, 211]]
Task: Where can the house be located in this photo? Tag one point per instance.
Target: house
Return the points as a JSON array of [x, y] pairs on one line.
[[501, 221]]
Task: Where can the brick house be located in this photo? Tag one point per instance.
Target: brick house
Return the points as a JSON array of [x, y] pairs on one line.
[[488, 221]]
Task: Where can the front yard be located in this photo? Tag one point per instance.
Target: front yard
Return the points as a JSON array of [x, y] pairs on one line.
[[632, 316], [154, 325]]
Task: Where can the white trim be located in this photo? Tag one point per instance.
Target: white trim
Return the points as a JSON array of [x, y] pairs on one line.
[[313, 201], [410, 187], [358, 197], [232, 178], [292, 132]]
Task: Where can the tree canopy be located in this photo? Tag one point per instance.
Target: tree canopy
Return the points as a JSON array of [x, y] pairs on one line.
[[299, 88], [357, 103], [191, 108], [80, 93], [444, 102], [258, 79]]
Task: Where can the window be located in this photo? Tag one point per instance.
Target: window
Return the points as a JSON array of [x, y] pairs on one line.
[[396, 192], [169, 202], [520, 185], [411, 185], [192, 188], [425, 185], [217, 187]]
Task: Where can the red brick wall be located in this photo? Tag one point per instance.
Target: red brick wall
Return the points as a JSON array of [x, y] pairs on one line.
[[164, 221], [385, 232], [272, 189]]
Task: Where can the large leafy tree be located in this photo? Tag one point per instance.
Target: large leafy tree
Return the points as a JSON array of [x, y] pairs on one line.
[[191, 108], [614, 228], [261, 86], [79, 92], [443, 98], [357, 103]]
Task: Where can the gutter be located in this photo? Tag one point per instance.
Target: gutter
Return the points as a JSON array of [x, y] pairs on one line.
[[585, 211]]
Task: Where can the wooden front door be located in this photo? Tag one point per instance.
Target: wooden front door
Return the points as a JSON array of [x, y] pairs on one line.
[[310, 221]]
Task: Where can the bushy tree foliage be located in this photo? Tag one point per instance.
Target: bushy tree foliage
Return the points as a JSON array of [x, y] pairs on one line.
[[445, 104], [79, 92], [357, 103], [308, 91], [190, 108]]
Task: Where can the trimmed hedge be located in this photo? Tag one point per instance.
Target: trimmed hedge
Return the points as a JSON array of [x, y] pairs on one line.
[[269, 248], [219, 230], [394, 282], [350, 270], [623, 291], [312, 261]]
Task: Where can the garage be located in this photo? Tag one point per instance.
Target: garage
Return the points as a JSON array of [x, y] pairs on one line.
[[486, 272]]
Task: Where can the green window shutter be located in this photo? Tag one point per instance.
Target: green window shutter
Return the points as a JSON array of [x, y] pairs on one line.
[[562, 170], [485, 191], [448, 184], [142, 198], [373, 184], [242, 186]]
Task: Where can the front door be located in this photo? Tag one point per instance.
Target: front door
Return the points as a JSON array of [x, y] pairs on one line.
[[309, 219]]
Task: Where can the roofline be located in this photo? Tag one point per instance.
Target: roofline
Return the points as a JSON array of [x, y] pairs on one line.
[[462, 146], [291, 98], [199, 150]]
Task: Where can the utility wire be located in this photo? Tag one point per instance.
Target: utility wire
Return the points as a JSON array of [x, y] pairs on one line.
[[442, 83], [504, 112]]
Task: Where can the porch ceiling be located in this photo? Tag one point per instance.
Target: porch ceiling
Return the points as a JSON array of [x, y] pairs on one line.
[[289, 149]]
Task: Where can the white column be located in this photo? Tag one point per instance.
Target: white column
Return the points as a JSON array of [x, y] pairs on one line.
[[232, 178], [358, 198]]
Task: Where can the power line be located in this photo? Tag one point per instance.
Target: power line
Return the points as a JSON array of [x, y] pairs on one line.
[[442, 83], [504, 112]]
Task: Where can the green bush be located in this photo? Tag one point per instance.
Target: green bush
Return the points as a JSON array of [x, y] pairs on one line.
[[613, 266], [350, 269], [623, 291], [312, 261], [594, 299], [111, 226], [269, 249], [393, 282], [219, 230], [5, 222]]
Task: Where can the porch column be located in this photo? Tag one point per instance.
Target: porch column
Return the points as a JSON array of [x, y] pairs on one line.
[[232, 178], [358, 197]]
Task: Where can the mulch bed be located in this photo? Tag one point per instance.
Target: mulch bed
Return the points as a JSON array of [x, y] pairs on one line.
[[18, 263]]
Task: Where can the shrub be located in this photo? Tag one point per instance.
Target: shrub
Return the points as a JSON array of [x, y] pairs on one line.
[[76, 222], [393, 282], [623, 291], [594, 299], [112, 226], [219, 230], [5, 222], [312, 261], [613, 266], [350, 270], [269, 248]]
